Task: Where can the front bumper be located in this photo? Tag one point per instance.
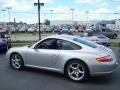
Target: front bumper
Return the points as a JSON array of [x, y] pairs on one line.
[[3, 46]]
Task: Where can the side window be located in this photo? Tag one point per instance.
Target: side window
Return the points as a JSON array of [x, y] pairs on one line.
[[47, 44], [66, 45], [103, 30], [108, 30]]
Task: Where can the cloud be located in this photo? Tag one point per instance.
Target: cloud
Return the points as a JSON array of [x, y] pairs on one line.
[[60, 9], [22, 5], [115, 0], [64, 13], [103, 10], [104, 5], [117, 8], [87, 1]]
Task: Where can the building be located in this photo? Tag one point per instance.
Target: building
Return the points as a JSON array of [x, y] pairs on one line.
[[106, 24], [117, 25]]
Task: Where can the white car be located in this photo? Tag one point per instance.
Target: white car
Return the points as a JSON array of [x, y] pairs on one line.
[[31, 29]]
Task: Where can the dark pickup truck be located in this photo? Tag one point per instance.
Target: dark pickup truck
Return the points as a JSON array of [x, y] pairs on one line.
[[107, 32]]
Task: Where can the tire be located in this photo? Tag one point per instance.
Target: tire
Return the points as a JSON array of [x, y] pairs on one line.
[[114, 36], [16, 61], [77, 71], [6, 49]]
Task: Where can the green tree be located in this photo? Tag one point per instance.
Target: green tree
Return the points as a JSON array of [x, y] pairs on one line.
[[47, 22]]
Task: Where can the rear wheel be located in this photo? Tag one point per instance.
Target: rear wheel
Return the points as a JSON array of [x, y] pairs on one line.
[[114, 36], [16, 61], [77, 71]]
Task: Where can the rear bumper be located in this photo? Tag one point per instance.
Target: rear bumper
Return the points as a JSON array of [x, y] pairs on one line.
[[103, 69]]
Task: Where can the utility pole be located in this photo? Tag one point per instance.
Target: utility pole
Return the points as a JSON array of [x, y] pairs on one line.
[[39, 7], [8, 8], [4, 14], [72, 16]]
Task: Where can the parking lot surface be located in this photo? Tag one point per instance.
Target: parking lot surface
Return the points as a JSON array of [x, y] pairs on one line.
[[32, 36], [34, 79]]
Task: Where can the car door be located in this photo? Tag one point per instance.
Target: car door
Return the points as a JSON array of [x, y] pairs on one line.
[[106, 32], [45, 54], [109, 33]]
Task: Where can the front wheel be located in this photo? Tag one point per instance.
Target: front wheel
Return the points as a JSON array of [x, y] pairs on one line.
[[77, 71], [16, 61]]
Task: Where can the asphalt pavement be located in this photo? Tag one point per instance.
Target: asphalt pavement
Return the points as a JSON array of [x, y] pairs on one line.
[[35, 79], [32, 36]]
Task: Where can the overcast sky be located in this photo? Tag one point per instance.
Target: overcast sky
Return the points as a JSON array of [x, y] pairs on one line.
[[24, 10]]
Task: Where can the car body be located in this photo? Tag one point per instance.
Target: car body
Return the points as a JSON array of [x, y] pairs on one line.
[[98, 38], [31, 29], [73, 56], [5, 42], [65, 31]]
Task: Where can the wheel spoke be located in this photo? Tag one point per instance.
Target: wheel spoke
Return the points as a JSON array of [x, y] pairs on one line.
[[81, 72], [71, 66], [77, 66], [77, 76], [15, 57], [17, 64], [71, 73], [13, 60]]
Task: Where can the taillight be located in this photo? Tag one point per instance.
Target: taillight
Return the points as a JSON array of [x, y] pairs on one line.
[[104, 59], [94, 40]]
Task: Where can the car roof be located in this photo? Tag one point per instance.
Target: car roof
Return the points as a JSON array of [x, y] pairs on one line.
[[63, 36]]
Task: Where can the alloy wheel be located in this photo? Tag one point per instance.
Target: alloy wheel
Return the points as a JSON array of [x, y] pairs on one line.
[[16, 61], [76, 71]]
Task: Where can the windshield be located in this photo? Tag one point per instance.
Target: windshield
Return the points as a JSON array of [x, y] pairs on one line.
[[2, 36], [85, 42]]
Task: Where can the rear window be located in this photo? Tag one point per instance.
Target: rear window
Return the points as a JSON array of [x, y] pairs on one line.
[[85, 42], [100, 36]]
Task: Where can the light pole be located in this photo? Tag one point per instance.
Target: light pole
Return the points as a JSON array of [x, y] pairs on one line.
[[72, 16], [51, 12], [8, 8], [4, 14], [39, 7], [87, 12]]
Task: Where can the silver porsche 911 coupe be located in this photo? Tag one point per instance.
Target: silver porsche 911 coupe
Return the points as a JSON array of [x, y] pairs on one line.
[[73, 56]]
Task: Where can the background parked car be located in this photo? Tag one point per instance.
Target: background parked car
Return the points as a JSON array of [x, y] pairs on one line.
[[32, 29], [107, 32], [98, 38], [5, 42], [65, 31]]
